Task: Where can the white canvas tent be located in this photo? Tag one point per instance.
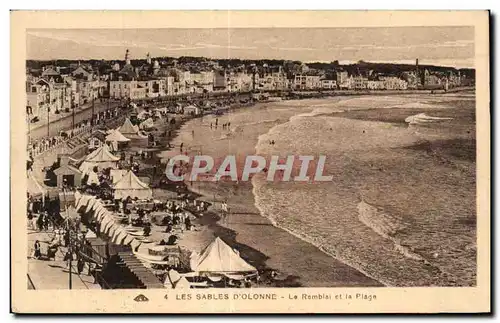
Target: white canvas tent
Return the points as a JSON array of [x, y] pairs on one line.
[[130, 185], [115, 138], [117, 174], [182, 284], [147, 124], [218, 257], [108, 226], [128, 128], [101, 158], [92, 178], [192, 109], [34, 188]]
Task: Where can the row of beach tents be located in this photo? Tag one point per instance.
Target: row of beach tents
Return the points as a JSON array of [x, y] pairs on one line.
[[90, 205], [125, 182]]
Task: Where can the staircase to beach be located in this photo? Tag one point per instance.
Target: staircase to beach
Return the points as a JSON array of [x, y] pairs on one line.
[[128, 262]]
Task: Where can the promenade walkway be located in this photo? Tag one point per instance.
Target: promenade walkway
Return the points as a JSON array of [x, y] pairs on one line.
[[54, 274]]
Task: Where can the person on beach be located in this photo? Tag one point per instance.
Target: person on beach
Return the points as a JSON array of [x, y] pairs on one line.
[[147, 229], [38, 252], [166, 220], [210, 126], [182, 145], [30, 220], [66, 238], [176, 219], [39, 222], [46, 223], [187, 223], [80, 264]]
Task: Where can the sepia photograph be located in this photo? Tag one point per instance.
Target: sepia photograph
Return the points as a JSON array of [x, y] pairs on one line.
[[232, 163]]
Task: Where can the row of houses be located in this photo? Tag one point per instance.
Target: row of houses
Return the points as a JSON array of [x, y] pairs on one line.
[[54, 88], [53, 92]]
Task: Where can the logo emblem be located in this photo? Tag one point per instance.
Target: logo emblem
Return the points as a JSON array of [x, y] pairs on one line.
[[141, 298]]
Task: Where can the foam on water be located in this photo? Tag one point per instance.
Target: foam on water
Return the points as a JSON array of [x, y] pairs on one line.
[[409, 238], [332, 216]]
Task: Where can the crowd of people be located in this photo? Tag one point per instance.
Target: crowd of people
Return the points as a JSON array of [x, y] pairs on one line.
[[42, 145]]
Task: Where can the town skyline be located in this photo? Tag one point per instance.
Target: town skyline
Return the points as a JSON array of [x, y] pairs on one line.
[[440, 46]]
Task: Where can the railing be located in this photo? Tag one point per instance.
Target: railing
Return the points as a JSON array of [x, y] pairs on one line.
[[42, 148]]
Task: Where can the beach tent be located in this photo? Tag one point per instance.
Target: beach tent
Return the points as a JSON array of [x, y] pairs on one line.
[[130, 185], [92, 178], [107, 224], [101, 158], [35, 189], [218, 257], [182, 284], [117, 174], [191, 109], [128, 128], [147, 124], [116, 139], [117, 136]]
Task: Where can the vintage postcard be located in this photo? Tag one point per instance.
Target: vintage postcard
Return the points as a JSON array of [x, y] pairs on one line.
[[250, 162]]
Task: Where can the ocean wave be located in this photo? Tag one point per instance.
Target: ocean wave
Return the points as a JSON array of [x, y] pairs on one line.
[[386, 225], [369, 230], [418, 105], [423, 118], [257, 183]]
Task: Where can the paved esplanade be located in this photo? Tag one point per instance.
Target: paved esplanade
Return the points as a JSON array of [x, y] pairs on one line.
[[39, 130]]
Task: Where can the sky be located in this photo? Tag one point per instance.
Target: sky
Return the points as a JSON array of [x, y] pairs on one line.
[[447, 46]]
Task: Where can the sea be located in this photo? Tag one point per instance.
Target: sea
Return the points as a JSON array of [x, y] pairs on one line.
[[400, 207]]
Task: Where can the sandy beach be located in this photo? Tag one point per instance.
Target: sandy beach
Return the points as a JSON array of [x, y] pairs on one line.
[[259, 242], [263, 245]]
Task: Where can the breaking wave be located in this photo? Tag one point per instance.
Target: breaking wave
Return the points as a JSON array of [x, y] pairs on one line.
[[423, 118], [386, 225]]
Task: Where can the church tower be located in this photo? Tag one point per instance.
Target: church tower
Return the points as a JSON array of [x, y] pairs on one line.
[[127, 57], [148, 59]]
